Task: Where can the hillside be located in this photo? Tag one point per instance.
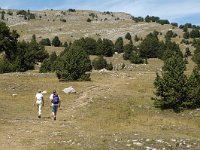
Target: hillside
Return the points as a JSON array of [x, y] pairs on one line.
[[113, 111], [111, 25]]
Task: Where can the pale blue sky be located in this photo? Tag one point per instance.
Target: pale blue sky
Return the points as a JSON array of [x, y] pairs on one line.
[[180, 11]]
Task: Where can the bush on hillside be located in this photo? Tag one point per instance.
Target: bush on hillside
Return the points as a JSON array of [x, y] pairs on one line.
[[56, 42], [45, 42], [135, 58], [119, 45], [128, 49], [48, 65], [150, 46], [73, 64], [128, 36], [99, 63], [5, 66]]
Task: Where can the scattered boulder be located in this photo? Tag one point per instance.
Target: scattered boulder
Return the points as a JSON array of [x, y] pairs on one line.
[[69, 90], [103, 70], [14, 95]]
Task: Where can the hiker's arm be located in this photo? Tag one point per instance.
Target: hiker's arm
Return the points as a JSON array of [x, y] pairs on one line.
[[42, 101], [59, 102]]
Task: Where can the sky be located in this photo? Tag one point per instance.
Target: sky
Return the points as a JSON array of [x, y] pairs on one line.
[[179, 11]]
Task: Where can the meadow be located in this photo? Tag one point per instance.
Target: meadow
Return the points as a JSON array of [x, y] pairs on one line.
[[112, 111]]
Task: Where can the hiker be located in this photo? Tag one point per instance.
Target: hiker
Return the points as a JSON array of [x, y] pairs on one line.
[[39, 100], [55, 103]]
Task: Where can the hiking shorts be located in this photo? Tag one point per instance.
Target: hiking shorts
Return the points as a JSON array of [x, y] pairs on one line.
[[54, 108]]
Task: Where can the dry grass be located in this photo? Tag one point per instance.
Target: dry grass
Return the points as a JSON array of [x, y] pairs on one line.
[[76, 26], [113, 111]]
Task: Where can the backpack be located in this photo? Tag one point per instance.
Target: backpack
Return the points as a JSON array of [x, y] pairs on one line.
[[55, 99]]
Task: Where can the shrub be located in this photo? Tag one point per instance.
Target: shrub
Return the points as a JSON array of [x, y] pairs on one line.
[[99, 63], [135, 58], [128, 36], [56, 41], [89, 20]]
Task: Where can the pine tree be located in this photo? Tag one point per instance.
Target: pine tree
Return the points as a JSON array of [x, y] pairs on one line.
[[56, 41], [171, 85], [90, 46], [119, 45], [150, 46], [45, 66], [99, 50], [74, 64], [107, 47], [128, 49], [66, 45], [128, 36], [8, 41]]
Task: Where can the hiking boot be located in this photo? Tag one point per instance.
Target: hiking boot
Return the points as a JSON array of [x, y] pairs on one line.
[[54, 118], [39, 116]]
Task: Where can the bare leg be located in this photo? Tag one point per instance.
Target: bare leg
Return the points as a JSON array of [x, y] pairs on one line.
[[39, 110]]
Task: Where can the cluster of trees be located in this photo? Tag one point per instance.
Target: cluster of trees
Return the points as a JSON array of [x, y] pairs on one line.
[[74, 62], [164, 21], [188, 25], [18, 56], [71, 10], [27, 14], [170, 34], [194, 33], [131, 53], [151, 47], [103, 47], [153, 19], [175, 90], [55, 42]]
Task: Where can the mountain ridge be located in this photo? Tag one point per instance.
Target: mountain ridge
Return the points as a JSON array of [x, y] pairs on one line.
[[70, 25]]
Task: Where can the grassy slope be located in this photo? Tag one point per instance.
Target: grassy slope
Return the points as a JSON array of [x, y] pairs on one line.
[[76, 26], [113, 111]]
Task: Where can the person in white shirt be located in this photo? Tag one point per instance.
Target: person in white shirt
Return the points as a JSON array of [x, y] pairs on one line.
[[39, 101]]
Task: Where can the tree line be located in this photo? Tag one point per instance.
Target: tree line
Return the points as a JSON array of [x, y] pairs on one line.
[[18, 55]]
